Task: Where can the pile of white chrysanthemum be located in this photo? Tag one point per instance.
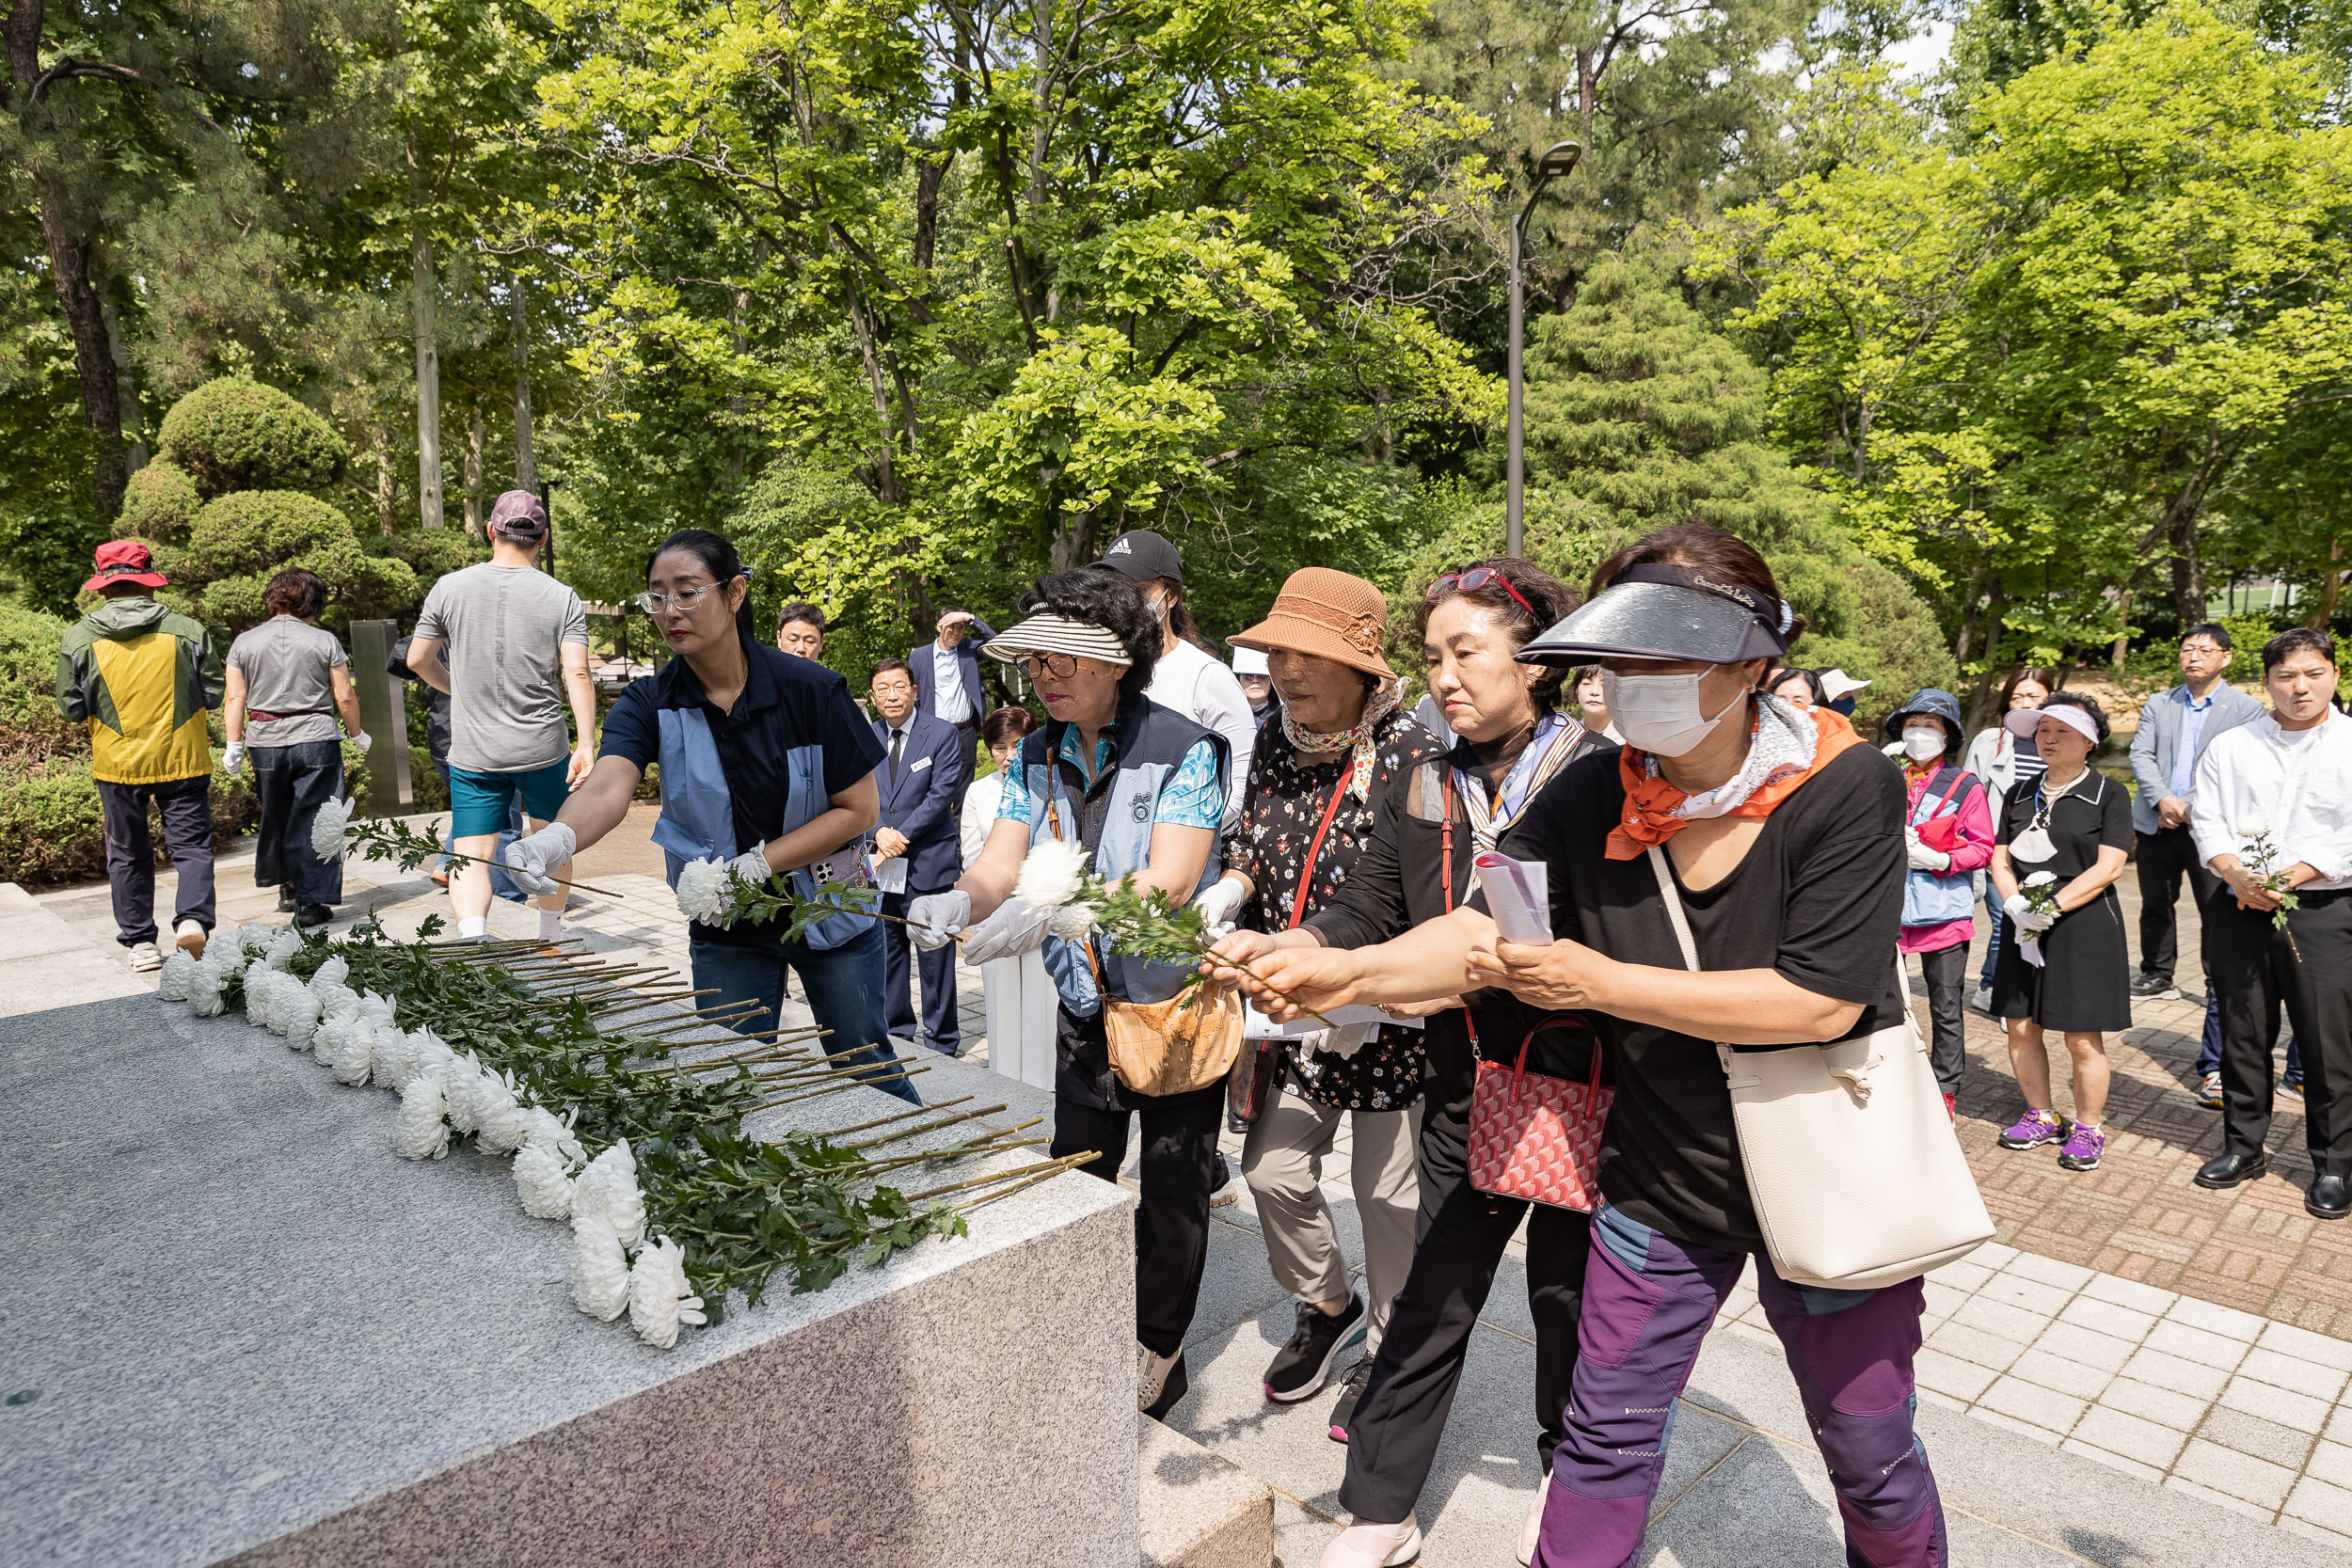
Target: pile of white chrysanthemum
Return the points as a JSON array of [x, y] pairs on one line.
[[353, 1035]]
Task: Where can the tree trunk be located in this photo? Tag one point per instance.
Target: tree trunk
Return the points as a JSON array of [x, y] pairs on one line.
[[127, 391], [93, 359], [1980, 698], [526, 474], [2330, 584], [477, 432], [385, 490], [2122, 648], [428, 382]]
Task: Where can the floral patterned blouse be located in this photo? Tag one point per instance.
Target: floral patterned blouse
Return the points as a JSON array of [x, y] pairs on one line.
[[1280, 811]]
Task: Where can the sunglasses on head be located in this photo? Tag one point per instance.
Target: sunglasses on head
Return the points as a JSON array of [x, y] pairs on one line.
[[1473, 580]]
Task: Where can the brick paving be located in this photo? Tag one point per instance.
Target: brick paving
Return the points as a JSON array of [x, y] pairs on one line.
[[2139, 1217]]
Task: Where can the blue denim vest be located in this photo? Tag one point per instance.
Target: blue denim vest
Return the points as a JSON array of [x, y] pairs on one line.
[[1147, 745], [697, 820], [1930, 897]]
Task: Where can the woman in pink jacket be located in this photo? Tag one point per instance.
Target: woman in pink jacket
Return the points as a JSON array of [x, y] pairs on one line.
[[1948, 837]]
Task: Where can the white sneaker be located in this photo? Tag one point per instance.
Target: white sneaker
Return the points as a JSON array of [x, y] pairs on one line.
[[1531, 1530], [1152, 1376], [1982, 1001], [1374, 1545], [145, 957], [189, 939]]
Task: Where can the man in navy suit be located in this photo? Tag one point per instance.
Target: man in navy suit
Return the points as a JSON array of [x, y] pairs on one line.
[[947, 675], [922, 776]]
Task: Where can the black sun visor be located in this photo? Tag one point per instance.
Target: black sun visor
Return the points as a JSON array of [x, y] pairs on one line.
[[1641, 616]]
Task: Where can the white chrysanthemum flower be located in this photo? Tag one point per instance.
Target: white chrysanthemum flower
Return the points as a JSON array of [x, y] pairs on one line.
[[2041, 879], [1073, 922], [706, 892], [253, 940], [500, 1114], [357, 1060], [335, 999], [2253, 826], [328, 1042], [1051, 874], [327, 839], [429, 1052], [1895, 749], [599, 1268], [282, 947], [608, 1190], [543, 1184], [334, 972], [394, 1055], [462, 1083], [544, 1129], [659, 1298], [302, 1017], [257, 997], [206, 979], [226, 953], [172, 984], [421, 1131]]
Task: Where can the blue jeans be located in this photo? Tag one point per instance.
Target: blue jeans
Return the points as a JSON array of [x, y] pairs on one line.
[[1993, 942], [844, 986], [293, 782]]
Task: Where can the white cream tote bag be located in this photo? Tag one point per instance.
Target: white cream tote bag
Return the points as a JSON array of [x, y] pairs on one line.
[[1857, 1177]]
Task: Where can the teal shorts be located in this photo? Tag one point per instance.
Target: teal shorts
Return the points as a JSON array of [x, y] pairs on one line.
[[479, 803]]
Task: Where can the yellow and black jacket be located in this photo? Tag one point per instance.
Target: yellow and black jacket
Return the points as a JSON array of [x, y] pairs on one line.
[[141, 677]]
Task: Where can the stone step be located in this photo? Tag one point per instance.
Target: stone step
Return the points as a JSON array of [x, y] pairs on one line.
[[1199, 1509], [44, 963]]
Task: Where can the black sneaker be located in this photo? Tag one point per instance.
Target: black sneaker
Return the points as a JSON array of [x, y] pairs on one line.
[[1344, 1413], [2153, 987], [1304, 1364], [309, 917], [285, 899]]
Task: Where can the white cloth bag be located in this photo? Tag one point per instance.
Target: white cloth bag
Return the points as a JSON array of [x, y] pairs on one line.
[[1854, 1168]]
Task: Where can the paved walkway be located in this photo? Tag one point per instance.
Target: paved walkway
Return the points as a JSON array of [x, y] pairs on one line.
[[2131, 1367]]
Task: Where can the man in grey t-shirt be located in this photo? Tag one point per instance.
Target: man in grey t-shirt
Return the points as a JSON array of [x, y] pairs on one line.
[[509, 644]]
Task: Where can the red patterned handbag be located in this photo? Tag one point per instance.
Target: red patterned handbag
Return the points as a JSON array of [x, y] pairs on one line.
[[1537, 1137]]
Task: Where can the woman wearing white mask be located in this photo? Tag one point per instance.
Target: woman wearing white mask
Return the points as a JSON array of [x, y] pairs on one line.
[[1947, 838], [1774, 839], [2066, 966], [2005, 762]]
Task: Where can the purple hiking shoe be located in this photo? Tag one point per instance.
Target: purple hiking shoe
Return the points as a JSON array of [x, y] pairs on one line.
[[2032, 1130], [2083, 1147]]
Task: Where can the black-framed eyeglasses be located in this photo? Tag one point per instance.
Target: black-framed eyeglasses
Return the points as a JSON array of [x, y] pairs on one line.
[[1472, 581], [685, 598], [1060, 666]]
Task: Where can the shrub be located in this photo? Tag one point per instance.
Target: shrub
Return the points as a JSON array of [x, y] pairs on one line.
[[260, 532], [239, 435], [29, 719], [53, 829], [160, 503], [429, 553]]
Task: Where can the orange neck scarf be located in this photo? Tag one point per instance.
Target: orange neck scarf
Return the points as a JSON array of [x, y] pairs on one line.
[[1650, 803]]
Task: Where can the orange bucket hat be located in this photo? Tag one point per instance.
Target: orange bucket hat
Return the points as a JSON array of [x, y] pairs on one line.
[[1329, 614]]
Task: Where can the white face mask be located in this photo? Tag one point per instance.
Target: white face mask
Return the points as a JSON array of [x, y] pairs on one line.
[[1660, 714], [1923, 744]]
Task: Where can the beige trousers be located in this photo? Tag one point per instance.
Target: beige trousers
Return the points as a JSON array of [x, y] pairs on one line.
[[1283, 1162]]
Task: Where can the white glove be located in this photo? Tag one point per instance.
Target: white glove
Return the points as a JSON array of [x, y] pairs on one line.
[[1012, 930], [232, 759], [2017, 909], [363, 741], [933, 920], [529, 859], [1924, 859], [751, 865], [1221, 903]]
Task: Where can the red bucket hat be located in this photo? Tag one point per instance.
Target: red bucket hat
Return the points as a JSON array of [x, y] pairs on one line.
[[125, 561]]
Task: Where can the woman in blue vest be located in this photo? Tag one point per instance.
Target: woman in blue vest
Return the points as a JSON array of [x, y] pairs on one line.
[[1142, 787], [766, 762], [1947, 838]]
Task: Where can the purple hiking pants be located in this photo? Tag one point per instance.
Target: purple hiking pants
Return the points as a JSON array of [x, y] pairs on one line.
[[1648, 1301]]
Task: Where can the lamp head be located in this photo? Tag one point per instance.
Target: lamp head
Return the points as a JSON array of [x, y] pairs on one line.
[[1559, 159]]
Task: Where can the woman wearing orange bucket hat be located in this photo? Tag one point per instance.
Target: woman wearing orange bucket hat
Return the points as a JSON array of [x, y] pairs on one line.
[[1324, 758]]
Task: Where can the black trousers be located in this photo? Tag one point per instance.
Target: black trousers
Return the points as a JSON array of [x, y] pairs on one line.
[[2165, 857], [1393, 1439], [186, 807], [2256, 971], [1947, 972], [293, 782], [943, 1028], [1181, 1168]]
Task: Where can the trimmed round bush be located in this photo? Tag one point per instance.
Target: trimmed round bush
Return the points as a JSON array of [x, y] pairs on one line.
[[160, 503], [258, 532], [239, 435]]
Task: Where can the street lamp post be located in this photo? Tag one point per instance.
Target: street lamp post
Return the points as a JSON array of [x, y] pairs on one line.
[[1557, 161]]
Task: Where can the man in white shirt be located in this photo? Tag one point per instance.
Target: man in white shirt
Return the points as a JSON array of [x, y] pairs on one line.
[[1192, 682], [2272, 816]]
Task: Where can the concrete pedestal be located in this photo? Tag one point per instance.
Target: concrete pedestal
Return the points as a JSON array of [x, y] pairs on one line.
[[243, 1331]]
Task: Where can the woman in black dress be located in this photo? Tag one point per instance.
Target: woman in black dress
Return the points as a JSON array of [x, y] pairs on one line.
[[2069, 971]]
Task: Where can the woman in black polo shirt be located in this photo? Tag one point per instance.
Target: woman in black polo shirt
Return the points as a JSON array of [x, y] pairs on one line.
[[1780, 838], [767, 764]]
